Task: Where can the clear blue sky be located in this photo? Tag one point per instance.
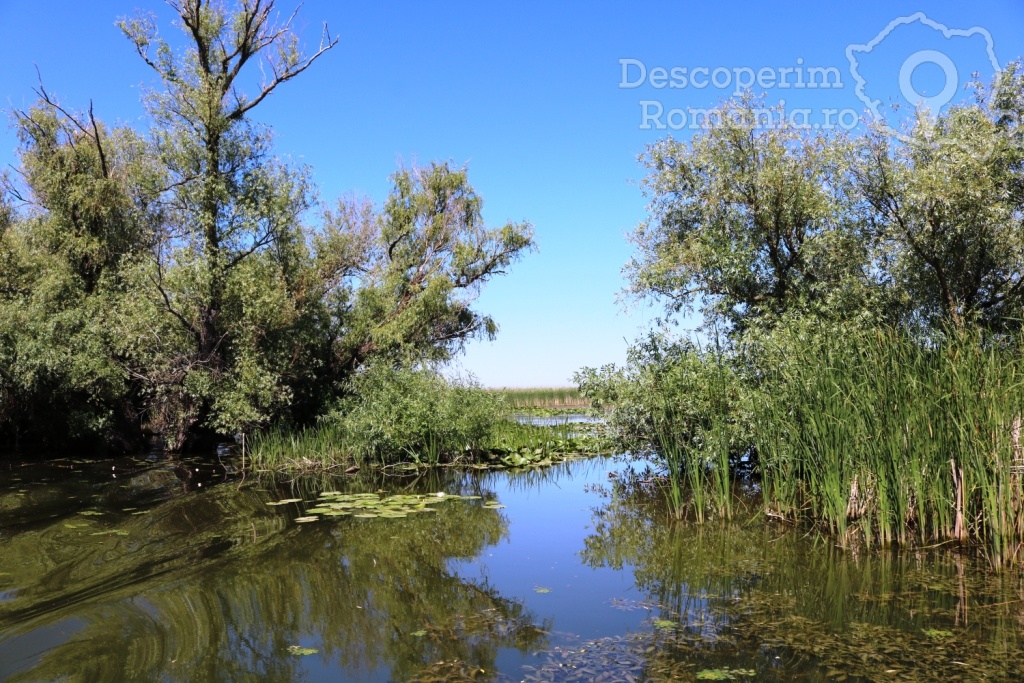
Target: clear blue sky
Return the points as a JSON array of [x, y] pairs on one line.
[[529, 95]]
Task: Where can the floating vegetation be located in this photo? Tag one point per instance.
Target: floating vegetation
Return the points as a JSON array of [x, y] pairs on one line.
[[449, 671], [541, 589], [724, 674], [285, 501], [627, 605], [90, 513], [377, 506], [298, 650]]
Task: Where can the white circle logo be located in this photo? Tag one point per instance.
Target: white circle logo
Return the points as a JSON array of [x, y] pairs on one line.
[[936, 102]]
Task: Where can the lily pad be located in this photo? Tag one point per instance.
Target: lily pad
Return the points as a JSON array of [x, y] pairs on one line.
[[285, 501], [300, 651], [306, 520], [725, 674], [937, 633], [541, 589]]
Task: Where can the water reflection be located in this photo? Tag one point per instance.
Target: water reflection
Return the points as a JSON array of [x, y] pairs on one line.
[[785, 605], [180, 570], [218, 586]]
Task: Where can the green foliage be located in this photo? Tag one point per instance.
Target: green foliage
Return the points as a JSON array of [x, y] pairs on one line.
[[59, 259], [537, 399], [408, 415], [188, 282], [952, 251], [417, 417], [751, 221], [670, 385], [747, 221], [886, 437], [870, 292], [686, 404]]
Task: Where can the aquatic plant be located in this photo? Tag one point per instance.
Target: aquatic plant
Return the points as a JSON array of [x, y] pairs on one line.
[[543, 398], [886, 437]]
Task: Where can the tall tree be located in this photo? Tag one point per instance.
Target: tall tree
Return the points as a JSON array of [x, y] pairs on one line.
[[747, 221], [946, 209], [228, 201], [189, 282], [61, 254]]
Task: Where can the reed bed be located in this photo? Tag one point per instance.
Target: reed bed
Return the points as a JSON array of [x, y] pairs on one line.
[[543, 397], [888, 438]]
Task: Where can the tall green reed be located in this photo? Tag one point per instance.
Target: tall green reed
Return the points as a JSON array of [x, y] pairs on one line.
[[890, 438], [694, 434]]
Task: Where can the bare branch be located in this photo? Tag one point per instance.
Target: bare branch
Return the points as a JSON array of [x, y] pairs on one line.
[[99, 145], [326, 43]]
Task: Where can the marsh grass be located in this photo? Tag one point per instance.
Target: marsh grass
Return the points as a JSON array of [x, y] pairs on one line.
[[507, 444], [886, 438], [543, 397]]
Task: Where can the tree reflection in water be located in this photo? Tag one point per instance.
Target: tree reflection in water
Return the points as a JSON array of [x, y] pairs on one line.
[[217, 586]]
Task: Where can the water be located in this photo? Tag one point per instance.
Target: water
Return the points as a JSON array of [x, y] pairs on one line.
[[182, 571]]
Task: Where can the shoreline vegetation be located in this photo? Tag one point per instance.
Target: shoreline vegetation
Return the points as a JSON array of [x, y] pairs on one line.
[[565, 399], [872, 437], [859, 363], [860, 360], [413, 418]]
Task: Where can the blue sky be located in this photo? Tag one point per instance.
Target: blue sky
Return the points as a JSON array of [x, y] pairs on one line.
[[530, 96]]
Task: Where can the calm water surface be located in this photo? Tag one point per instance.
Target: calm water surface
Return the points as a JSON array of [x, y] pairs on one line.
[[177, 570]]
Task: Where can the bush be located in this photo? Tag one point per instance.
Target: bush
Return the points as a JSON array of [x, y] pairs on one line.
[[414, 415]]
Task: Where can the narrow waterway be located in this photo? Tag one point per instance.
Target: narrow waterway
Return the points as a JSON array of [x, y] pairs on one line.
[[179, 570]]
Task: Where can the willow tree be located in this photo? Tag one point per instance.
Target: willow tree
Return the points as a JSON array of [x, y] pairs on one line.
[[260, 303], [232, 211], [188, 282], [75, 206], [946, 209], [746, 222]]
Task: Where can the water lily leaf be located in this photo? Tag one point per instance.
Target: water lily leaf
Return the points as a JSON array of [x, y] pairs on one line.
[[418, 634], [937, 633], [305, 520], [285, 501], [541, 589], [300, 651]]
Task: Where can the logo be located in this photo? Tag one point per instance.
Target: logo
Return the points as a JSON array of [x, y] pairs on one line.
[[919, 63]]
